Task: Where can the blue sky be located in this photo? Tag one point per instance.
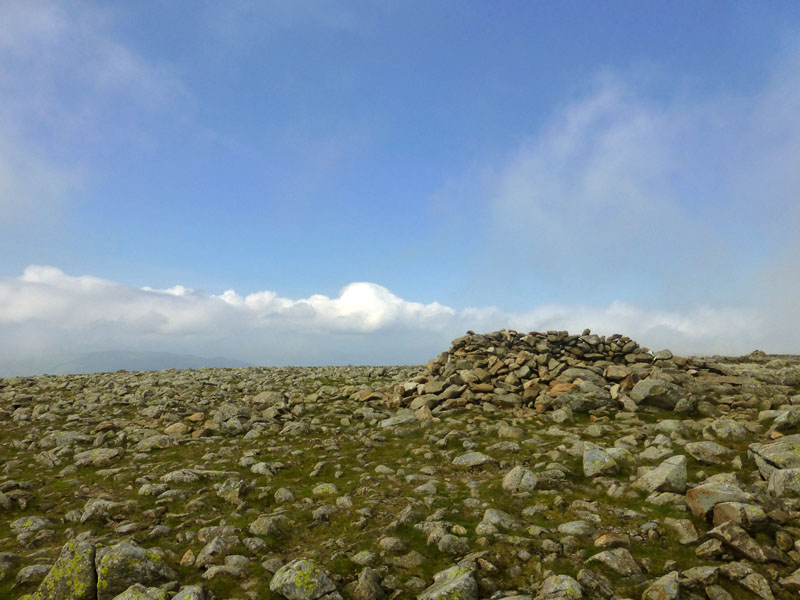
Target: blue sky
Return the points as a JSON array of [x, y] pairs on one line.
[[622, 166]]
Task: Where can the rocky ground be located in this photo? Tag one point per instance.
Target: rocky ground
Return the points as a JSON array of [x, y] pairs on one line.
[[546, 466]]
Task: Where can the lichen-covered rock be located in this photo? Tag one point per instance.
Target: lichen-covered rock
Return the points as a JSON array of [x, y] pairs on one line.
[[232, 490], [191, 592], [215, 551], [368, 586], [781, 454], [596, 585], [98, 457], [265, 526], [404, 416], [123, 564], [302, 579], [455, 583], [156, 442], [560, 587], [72, 576], [784, 482], [709, 452], [473, 459], [618, 560], [597, 461], [663, 588], [656, 392], [746, 515], [140, 592], [521, 479], [727, 430], [669, 476], [738, 539]]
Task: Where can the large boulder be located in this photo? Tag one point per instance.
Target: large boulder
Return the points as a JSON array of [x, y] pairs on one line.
[[618, 560], [72, 576], [784, 482], [781, 454], [140, 592], [123, 564], [702, 498], [656, 392], [302, 579], [709, 452], [560, 587], [669, 476], [663, 588], [455, 583], [597, 461], [738, 539], [520, 479]]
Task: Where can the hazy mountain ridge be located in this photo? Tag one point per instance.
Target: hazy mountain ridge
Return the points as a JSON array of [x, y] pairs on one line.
[[115, 360]]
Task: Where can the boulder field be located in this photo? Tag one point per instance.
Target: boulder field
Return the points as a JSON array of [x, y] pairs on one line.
[[538, 466]]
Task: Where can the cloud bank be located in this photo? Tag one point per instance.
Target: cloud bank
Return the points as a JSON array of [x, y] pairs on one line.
[[46, 311]]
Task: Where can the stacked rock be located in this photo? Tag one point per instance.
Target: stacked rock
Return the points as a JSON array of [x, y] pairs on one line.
[[552, 370]]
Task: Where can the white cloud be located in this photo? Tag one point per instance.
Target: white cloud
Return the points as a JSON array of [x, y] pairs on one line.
[[45, 310]]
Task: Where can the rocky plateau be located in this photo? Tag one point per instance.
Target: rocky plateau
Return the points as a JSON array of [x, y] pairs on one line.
[[538, 466]]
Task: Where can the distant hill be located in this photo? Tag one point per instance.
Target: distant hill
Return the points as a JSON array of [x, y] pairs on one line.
[[115, 360]]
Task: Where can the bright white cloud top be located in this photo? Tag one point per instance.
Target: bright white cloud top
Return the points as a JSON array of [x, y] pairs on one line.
[[45, 309]]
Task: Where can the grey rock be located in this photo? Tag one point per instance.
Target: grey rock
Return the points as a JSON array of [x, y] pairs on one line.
[[123, 564], [709, 452], [746, 515], [191, 592], [669, 476], [368, 586], [500, 518], [663, 588], [579, 528], [72, 576], [596, 585], [140, 592], [32, 574], [618, 560], [597, 461], [687, 534], [656, 392], [302, 579], [728, 430], [403, 417], [702, 498], [758, 584], [451, 584], [473, 459], [98, 457], [265, 526], [560, 587], [156, 442], [738, 539], [521, 479], [215, 551], [784, 482]]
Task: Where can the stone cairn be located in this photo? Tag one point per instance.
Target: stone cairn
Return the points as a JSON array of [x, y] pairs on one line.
[[553, 370]]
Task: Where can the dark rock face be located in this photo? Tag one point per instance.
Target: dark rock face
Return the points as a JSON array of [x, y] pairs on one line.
[[500, 469]]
